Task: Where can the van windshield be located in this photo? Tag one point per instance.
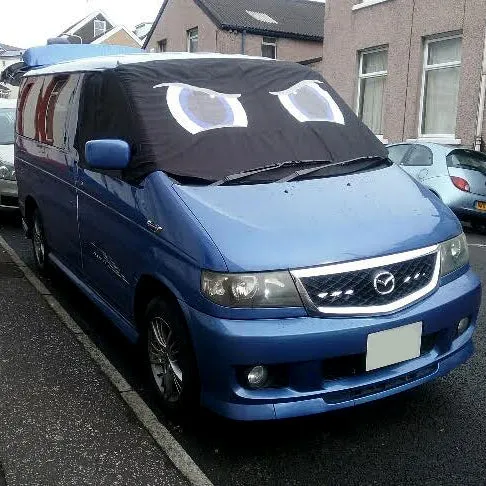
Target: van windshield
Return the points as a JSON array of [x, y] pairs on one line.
[[7, 121], [466, 159]]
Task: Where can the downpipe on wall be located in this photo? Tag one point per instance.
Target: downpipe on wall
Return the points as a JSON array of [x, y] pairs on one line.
[[482, 96]]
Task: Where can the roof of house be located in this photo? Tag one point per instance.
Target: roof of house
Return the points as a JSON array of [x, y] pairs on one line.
[[81, 23], [301, 19], [115, 30], [10, 51]]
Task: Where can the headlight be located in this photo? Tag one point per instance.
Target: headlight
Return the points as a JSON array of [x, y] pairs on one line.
[[7, 171], [272, 289], [453, 254]]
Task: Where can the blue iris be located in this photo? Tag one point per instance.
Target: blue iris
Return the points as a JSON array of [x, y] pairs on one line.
[[312, 104], [206, 110]]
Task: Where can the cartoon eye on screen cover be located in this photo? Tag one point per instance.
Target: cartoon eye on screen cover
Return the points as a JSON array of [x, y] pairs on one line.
[[201, 109]]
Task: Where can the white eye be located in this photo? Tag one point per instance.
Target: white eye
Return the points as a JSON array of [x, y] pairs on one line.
[[200, 109], [307, 101]]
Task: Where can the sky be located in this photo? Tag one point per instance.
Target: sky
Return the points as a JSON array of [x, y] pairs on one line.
[[27, 23]]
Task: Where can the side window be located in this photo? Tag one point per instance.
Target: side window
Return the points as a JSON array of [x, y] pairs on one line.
[[52, 109], [27, 110], [419, 156], [396, 153]]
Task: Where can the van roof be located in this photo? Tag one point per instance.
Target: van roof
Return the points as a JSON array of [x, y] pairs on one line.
[[102, 63]]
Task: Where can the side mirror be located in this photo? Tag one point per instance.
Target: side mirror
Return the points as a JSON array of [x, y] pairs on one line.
[[107, 154]]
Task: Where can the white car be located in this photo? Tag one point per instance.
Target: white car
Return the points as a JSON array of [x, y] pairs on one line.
[[8, 184]]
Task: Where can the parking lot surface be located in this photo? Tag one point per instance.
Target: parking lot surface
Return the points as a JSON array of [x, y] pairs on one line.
[[431, 435]]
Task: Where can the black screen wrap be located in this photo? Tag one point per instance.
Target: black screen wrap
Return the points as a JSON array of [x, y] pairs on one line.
[[257, 128]]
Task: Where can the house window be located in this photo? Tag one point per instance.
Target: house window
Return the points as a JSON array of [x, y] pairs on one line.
[[440, 87], [162, 45], [269, 47], [373, 70], [192, 40], [99, 27]]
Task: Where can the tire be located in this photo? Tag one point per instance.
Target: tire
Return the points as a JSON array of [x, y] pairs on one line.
[[39, 243], [169, 358]]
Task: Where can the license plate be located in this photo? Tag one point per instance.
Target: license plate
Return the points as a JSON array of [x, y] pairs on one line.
[[393, 346], [481, 205]]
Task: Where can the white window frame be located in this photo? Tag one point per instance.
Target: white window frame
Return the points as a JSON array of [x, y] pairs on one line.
[[273, 44], [366, 3], [94, 27], [191, 37], [376, 74], [433, 67]]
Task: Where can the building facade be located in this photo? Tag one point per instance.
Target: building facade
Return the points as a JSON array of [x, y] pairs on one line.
[[9, 55], [412, 69], [288, 30], [97, 28]]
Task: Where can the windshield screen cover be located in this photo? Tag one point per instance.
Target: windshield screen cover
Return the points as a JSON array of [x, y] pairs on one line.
[[211, 117]]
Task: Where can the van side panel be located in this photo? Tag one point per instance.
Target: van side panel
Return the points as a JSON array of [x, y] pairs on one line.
[[45, 171]]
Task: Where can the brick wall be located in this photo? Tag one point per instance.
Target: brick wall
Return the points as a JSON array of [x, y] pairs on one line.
[[395, 24], [182, 15], [121, 38]]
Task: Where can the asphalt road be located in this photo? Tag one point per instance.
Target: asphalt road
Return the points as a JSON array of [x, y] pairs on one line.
[[429, 436]]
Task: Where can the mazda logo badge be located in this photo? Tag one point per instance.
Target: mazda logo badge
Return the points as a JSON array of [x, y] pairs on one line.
[[384, 282]]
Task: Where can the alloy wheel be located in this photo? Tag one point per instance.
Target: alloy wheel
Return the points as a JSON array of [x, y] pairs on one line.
[[164, 353]]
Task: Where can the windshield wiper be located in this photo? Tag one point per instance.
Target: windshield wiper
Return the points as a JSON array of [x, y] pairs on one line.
[[303, 172], [248, 173]]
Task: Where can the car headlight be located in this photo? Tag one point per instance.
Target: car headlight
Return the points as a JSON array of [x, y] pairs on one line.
[[269, 289], [7, 171], [454, 254]]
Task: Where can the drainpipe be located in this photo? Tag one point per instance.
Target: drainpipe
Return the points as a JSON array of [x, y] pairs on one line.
[[482, 96], [243, 33]]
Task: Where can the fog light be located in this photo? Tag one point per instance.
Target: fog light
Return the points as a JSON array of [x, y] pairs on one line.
[[463, 325], [257, 376]]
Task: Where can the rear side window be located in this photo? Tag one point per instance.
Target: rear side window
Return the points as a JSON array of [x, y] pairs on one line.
[[419, 156], [396, 153], [43, 108], [465, 159]]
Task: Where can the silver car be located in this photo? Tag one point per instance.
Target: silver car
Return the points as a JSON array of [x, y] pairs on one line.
[[455, 175], [8, 184]]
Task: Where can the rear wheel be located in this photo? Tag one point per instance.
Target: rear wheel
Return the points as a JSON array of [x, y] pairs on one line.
[[170, 360], [39, 244]]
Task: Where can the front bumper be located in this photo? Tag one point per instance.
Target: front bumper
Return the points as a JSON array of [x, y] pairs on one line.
[[305, 345], [9, 200]]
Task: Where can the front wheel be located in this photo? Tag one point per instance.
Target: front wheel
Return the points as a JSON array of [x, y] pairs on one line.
[[39, 244], [170, 360]]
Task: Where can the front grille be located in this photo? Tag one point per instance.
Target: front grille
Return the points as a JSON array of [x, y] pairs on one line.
[[353, 365], [363, 391], [357, 288]]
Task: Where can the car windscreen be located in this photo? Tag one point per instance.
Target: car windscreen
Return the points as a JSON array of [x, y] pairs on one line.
[[7, 122], [208, 118], [467, 159]]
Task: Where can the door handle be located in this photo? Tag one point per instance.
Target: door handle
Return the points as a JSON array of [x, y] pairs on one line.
[[154, 227]]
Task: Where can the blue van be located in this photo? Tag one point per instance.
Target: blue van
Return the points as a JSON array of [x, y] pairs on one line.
[[233, 217]]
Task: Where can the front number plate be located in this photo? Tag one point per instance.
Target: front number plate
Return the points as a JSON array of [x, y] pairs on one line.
[[481, 205], [392, 346]]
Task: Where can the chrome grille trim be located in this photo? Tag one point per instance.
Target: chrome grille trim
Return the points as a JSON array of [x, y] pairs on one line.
[[369, 263]]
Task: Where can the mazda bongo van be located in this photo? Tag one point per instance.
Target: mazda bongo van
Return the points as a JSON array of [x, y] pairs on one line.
[[234, 217]]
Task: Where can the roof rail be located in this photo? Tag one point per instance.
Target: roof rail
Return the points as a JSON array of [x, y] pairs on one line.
[[55, 53]]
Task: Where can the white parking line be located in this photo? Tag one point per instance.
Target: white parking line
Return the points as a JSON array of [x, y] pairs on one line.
[[477, 245], [166, 441]]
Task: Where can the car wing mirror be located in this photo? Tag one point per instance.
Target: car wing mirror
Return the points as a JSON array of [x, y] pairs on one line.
[[108, 154]]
